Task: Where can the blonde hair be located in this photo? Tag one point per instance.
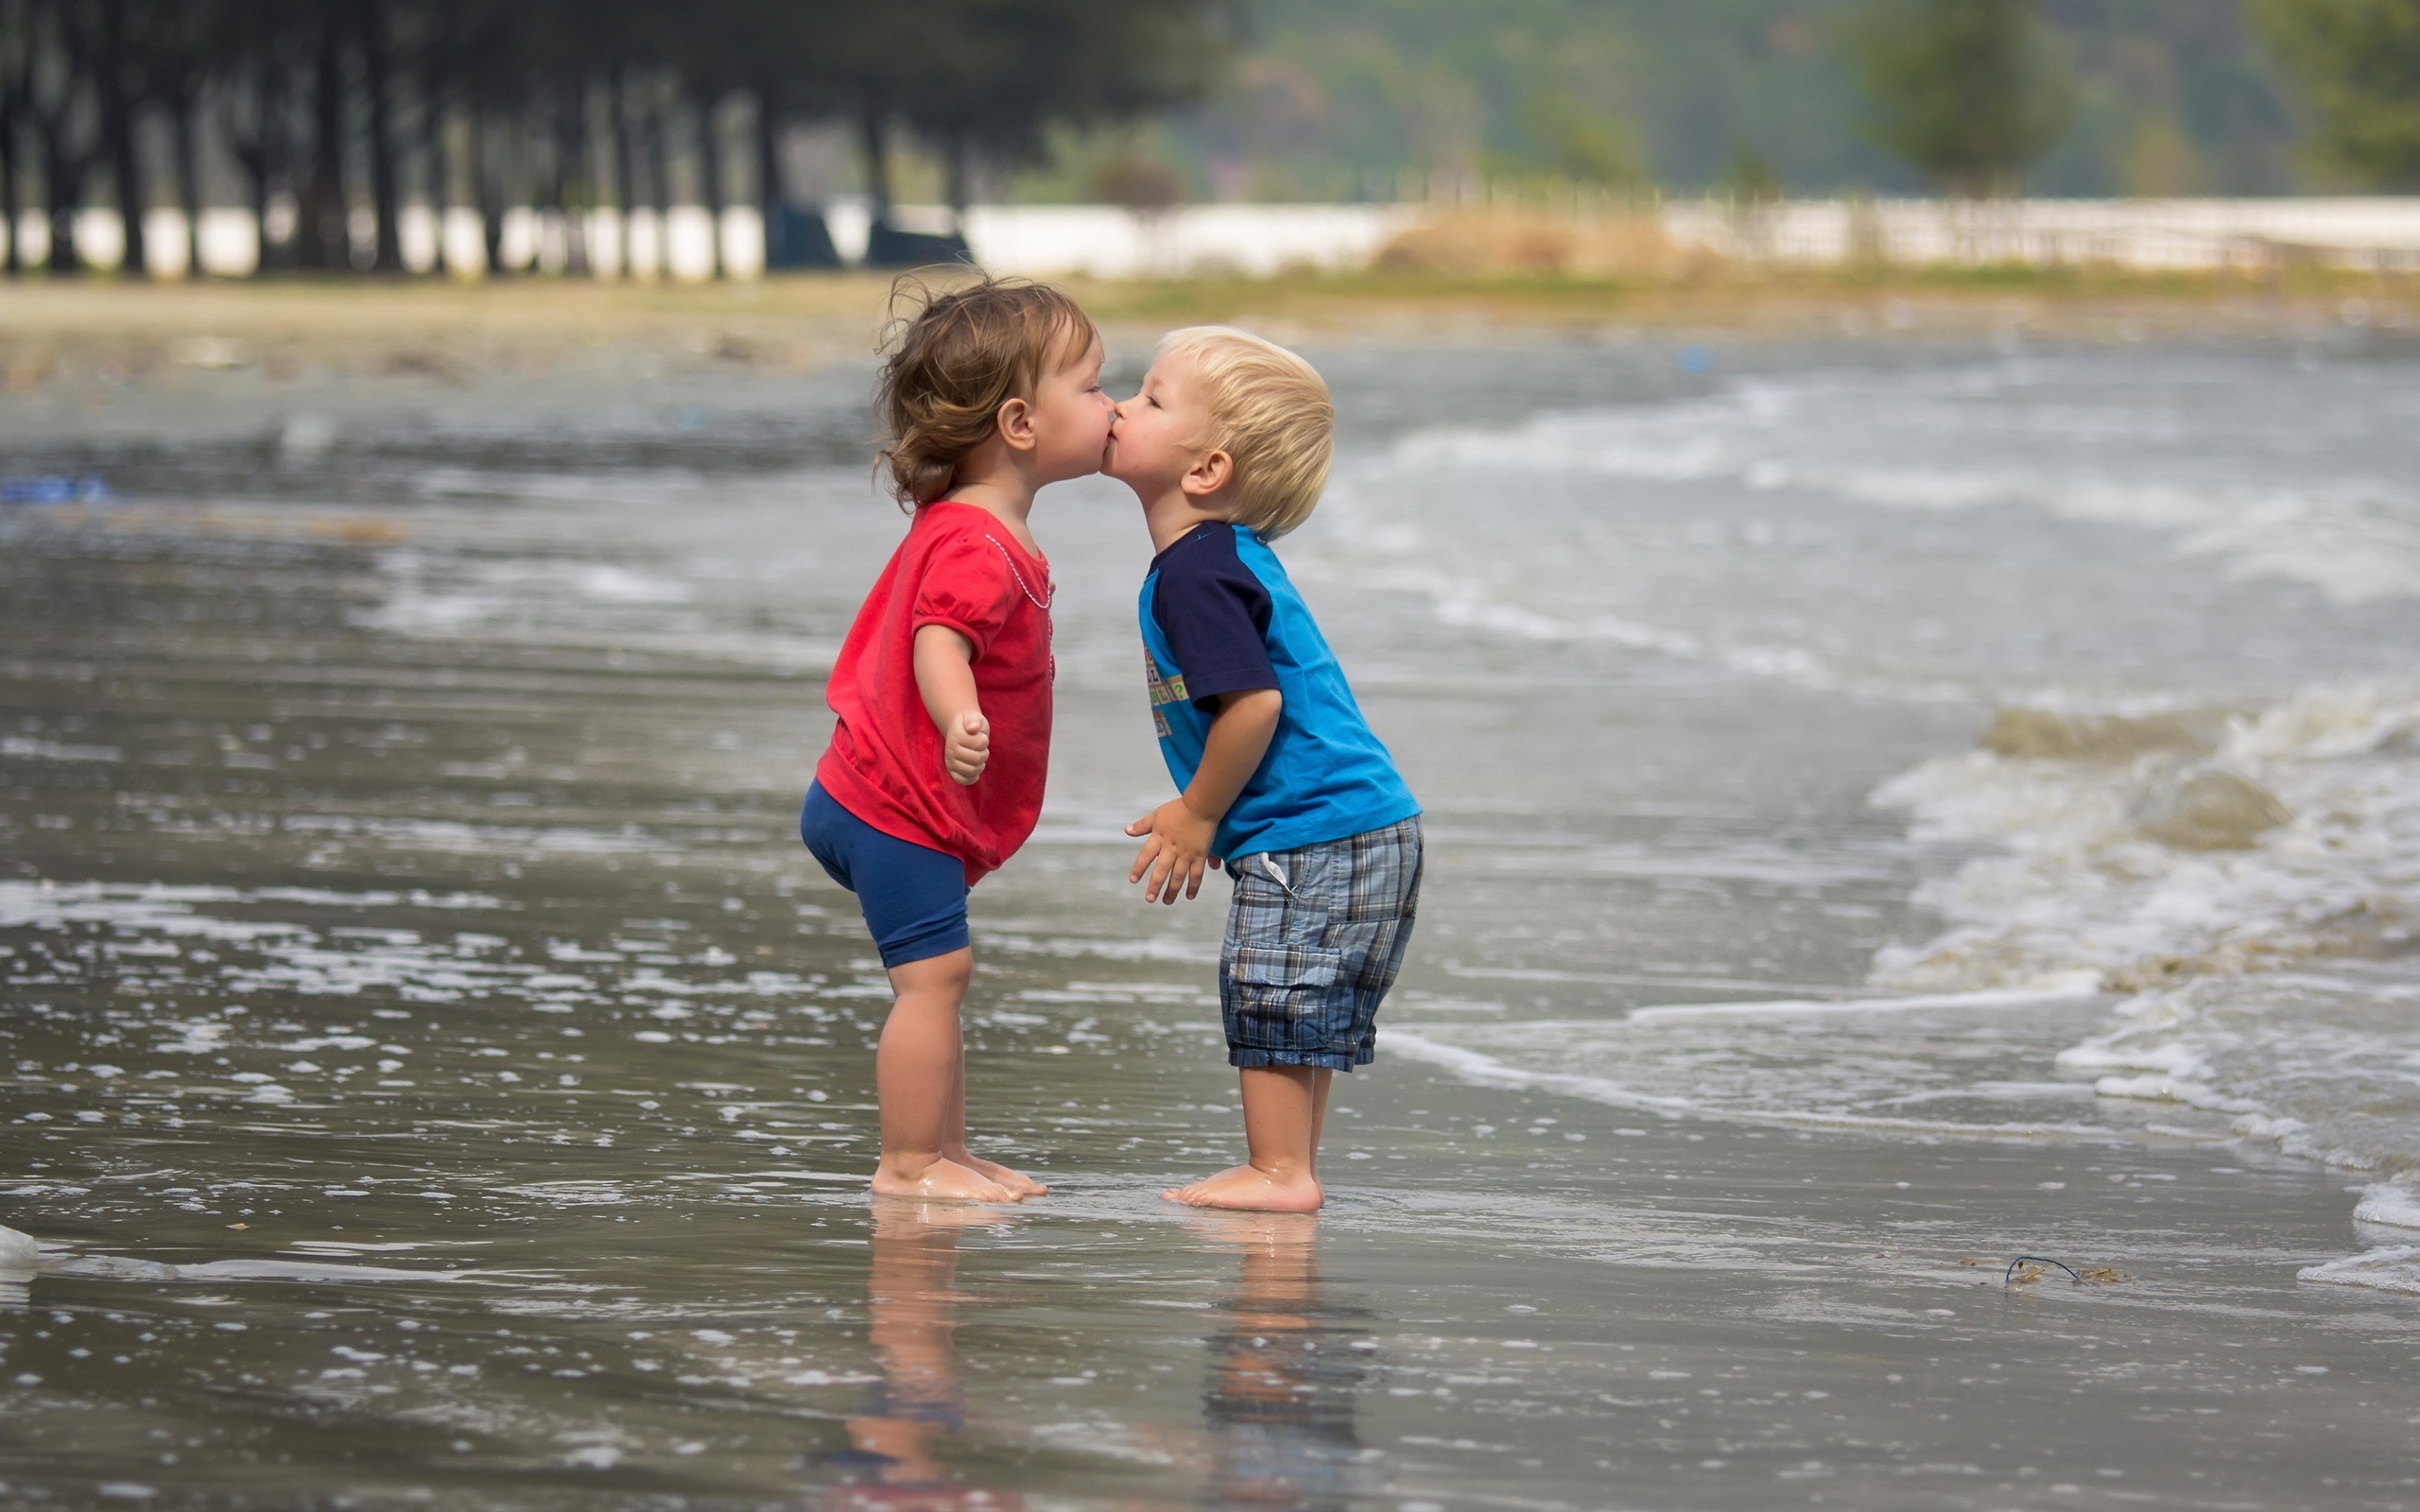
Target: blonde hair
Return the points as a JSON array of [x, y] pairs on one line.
[[1271, 413], [954, 358]]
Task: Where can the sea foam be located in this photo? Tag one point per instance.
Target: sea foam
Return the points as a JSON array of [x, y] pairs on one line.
[[2257, 925]]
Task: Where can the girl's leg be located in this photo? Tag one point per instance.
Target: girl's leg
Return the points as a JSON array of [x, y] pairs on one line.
[[953, 1145], [917, 1073], [1281, 1108]]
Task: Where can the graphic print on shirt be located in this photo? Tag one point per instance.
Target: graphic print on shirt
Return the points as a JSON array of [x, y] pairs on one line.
[[1165, 689]]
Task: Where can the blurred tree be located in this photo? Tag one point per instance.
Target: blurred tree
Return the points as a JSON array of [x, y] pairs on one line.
[[1966, 90], [985, 81], [1750, 177], [327, 105], [373, 33], [323, 216], [117, 77], [16, 83], [2360, 62], [171, 40], [59, 107]]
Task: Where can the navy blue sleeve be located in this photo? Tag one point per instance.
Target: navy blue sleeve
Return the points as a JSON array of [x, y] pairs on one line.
[[1214, 614]]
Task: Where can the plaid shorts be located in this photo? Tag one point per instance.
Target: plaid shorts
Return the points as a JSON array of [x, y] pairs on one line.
[[1313, 943]]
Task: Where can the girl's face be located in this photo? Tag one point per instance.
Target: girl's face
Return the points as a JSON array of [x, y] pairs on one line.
[[1159, 431], [1071, 418]]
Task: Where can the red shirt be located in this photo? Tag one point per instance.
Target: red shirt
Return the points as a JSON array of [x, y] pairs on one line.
[[960, 567]]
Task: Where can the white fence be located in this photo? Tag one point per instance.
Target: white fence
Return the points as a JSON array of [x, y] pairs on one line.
[[1254, 240], [679, 245], [1258, 240], [2147, 235]]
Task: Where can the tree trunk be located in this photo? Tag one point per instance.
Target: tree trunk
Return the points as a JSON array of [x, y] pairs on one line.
[[253, 151], [12, 260], [378, 82], [189, 176], [117, 136], [710, 167], [483, 184], [770, 198], [575, 187], [659, 121], [323, 237], [64, 163], [62, 187], [874, 134], [626, 195], [435, 170], [958, 174]]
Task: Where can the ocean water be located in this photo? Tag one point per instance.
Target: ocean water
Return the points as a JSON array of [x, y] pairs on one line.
[[2183, 587], [1894, 811]]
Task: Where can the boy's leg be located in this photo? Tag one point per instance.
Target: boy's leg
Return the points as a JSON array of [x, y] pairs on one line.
[[1320, 1081], [917, 1073], [1283, 1105]]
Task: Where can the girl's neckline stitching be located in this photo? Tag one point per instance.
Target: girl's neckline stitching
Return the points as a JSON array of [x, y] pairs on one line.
[[1034, 556], [1042, 604]]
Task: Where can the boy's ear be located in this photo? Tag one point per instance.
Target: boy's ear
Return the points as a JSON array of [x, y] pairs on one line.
[[1208, 475], [1016, 425]]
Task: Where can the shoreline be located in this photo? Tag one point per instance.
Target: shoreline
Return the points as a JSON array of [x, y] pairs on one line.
[[781, 319], [97, 374]]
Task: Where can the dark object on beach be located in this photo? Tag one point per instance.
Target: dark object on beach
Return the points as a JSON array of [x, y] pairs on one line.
[[795, 237], [2037, 1267], [2010, 1276], [889, 247], [86, 488]]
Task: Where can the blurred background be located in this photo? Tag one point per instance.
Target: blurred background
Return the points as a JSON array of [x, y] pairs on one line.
[[723, 137]]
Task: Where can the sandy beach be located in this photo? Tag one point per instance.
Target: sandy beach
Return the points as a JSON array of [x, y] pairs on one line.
[[437, 1074]]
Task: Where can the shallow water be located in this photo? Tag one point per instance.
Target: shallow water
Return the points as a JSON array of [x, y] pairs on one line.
[[438, 1075]]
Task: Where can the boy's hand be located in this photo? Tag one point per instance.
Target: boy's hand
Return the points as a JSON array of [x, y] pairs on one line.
[[1177, 850], [966, 747]]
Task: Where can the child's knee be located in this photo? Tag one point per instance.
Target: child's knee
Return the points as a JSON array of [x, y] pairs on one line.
[[946, 975]]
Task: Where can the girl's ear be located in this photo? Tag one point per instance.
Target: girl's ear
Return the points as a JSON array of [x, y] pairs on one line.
[[1016, 425], [1206, 477]]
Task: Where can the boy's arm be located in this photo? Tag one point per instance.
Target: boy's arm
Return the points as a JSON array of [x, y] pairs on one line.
[[945, 680], [1177, 848]]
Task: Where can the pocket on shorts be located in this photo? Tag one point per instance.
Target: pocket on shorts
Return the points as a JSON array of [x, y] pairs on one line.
[[1275, 995]]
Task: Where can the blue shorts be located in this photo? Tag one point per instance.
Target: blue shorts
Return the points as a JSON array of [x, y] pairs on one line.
[[1313, 943], [914, 896]]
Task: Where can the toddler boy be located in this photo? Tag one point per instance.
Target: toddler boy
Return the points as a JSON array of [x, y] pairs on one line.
[[1228, 446]]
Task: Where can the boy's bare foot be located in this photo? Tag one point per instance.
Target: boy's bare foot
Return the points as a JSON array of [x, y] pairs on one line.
[[1248, 1186], [1018, 1183], [940, 1181]]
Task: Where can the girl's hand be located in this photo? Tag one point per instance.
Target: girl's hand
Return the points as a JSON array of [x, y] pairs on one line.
[[1177, 850], [966, 747]]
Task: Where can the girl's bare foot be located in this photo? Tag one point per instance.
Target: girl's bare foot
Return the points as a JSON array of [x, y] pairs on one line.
[[1248, 1186], [1018, 1183], [939, 1180]]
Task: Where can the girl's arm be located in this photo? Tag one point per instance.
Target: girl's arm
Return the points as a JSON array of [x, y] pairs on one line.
[[945, 680], [1180, 830]]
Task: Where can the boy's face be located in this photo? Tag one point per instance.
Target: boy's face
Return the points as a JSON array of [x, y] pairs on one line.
[[1071, 417], [1161, 431]]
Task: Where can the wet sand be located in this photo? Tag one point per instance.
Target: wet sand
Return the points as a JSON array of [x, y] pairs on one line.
[[441, 1076]]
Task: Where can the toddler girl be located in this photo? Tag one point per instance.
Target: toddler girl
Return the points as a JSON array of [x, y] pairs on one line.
[[943, 688]]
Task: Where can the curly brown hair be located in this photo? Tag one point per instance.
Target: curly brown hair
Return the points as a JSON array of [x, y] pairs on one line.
[[952, 359]]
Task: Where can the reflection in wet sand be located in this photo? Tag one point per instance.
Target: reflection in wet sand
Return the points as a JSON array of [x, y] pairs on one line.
[[1283, 1371], [893, 1457]]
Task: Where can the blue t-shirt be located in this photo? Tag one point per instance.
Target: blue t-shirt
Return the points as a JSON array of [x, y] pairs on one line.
[[1220, 616]]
